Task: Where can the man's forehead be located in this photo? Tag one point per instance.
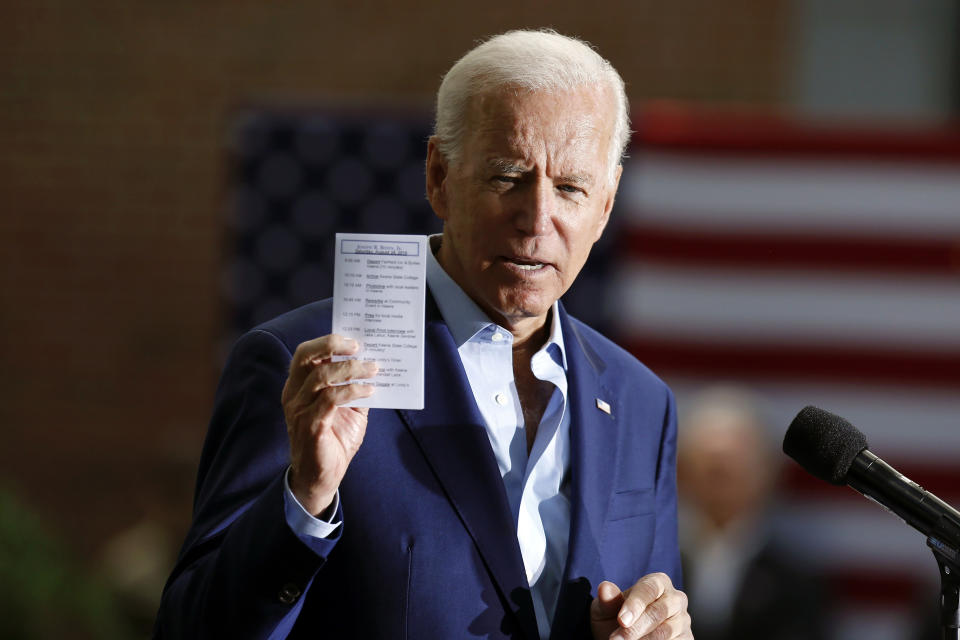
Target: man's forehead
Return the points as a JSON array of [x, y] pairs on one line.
[[500, 122]]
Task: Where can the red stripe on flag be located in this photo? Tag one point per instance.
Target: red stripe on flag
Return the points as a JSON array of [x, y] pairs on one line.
[[809, 252], [682, 128], [795, 362], [874, 588]]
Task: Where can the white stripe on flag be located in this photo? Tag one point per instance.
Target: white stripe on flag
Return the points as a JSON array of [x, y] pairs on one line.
[[910, 312], [784, 193], [915, 424]]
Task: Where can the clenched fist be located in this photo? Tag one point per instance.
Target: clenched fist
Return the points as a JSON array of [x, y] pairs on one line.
[[652, 609]]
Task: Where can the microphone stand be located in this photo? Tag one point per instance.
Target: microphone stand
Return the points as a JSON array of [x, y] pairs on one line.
[[948, 559]]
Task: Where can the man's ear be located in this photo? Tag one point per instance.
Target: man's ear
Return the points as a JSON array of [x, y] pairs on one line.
[[437, 171], [608, 203]]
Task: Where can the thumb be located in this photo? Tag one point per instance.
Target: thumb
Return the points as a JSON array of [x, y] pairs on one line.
[[607, 603]]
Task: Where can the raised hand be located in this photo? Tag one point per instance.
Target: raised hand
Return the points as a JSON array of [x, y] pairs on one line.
[[324, 436]]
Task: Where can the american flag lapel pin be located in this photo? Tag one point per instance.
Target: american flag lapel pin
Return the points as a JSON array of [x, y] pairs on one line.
[[603, 406]]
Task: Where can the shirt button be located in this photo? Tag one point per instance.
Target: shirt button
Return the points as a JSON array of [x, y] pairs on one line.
[[501, 399], [289, 593], [497, 336]]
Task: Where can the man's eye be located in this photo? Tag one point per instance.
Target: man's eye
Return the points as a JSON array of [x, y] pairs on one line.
[[507, 179], [569, 188]]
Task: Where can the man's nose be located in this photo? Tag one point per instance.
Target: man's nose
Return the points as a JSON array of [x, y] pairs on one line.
[[535, 215]]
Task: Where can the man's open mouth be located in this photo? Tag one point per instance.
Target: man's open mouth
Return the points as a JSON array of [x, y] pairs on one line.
[[526, 264]]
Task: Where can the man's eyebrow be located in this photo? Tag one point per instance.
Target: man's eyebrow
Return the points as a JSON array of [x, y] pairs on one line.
[[577, 178], [502, 165]]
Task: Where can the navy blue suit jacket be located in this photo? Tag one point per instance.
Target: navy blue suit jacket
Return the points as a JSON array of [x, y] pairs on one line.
[[428, 545]]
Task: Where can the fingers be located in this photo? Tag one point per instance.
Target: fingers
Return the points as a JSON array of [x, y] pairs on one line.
[[641, 597], [653, 609], [674, 628], [327, 374], [313, 352], [328, 398], [607, 603], [311, 371], [324, 390]]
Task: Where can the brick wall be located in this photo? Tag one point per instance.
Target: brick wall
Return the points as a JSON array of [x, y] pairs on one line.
[[114, 118]]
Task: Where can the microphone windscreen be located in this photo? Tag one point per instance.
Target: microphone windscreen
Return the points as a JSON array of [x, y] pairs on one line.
[[824, 444]]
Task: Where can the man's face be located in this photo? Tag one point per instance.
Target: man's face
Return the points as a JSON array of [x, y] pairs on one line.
[[527, 199], [723, 467]]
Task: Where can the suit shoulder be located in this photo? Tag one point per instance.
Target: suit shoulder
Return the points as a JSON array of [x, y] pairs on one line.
[[613, 355], [298, 325]]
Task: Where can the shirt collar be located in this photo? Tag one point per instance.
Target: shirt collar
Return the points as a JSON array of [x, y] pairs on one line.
[[462, 315]]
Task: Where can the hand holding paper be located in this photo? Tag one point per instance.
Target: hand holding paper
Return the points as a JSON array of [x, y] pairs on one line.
[[373, 358], [324, 435]]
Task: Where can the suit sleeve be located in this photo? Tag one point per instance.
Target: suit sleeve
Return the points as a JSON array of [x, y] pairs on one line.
[[242, 571]]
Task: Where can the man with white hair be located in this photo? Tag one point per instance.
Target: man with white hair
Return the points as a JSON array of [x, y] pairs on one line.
[[538, 479]]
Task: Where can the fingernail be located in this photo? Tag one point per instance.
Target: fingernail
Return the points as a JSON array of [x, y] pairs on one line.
[[626, 617], [352, 344], [372, 367]]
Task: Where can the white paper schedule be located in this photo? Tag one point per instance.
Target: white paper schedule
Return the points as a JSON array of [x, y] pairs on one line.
[[379, 288]]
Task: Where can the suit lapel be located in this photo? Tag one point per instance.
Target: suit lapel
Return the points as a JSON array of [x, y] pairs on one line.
[[593, 458], [451, 435]]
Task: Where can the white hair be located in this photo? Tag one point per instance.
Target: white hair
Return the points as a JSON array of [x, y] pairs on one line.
[[540, 60]]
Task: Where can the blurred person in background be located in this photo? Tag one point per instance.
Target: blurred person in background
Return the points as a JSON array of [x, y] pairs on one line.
[[539, 479], [742, 584]]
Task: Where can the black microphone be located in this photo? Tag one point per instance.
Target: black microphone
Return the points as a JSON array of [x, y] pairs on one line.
[[832, 449]]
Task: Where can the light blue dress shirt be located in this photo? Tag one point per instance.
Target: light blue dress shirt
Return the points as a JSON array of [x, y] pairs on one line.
[[537, 485]]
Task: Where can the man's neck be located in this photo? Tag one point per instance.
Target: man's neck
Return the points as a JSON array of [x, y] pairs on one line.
[[529, 336], [529, 332], [534, 393]]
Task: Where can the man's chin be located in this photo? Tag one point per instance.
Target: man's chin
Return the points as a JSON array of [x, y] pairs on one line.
[[526, 309]]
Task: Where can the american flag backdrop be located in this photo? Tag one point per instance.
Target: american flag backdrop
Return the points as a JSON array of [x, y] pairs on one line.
[[816, 266], [297, 178]]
